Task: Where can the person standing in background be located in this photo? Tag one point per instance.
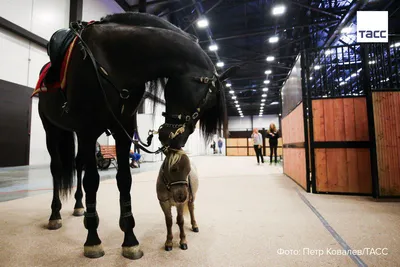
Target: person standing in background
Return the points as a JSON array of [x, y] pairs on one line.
[[257, 142], [273, 135], [220, 143]]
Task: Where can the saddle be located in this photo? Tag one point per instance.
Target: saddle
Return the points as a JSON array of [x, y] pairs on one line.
[[56, 49]]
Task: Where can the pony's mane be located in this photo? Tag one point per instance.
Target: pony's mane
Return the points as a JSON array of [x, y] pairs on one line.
[[145, 20], [173, 157]]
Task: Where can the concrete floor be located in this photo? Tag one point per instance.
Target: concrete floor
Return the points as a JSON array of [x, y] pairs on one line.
[[248, 215]]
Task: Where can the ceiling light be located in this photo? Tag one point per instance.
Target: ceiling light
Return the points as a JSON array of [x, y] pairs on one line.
[[233, 97], [317, 67], [270, 58], [273, 39], [213, 47], [354, 75], [311, 78], [236, 101], [202, 23], [278, 10], [241, 116], [231, 92], [266, 81], [260, 115], [237, 106], [268, 72], [265, 89], [228, 85], [346, 30], [280, 114], [262, 104], [274, 103], [328, 52], [264, 95], [262, 100], [220, 64]]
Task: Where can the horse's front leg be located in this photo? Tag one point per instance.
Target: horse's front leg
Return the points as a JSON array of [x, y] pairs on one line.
[[79, 209], [91, 180], [130, 246], [180, 221], [166, 207]]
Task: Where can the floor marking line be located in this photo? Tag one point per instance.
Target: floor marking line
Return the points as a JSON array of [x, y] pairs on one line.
[[357, 260]]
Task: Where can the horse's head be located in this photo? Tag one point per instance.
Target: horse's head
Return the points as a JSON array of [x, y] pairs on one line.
[[195, 96], [175, 171]]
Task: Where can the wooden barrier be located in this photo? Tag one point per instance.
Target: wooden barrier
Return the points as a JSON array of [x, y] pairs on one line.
[[294, 155], [387, 135], [341, 145], [236, 147]]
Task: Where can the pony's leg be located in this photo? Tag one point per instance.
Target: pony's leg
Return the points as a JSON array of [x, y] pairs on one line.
[[91, 180], [180, 220], [130, 246], [166, 207], [78, 209], [195, 228]]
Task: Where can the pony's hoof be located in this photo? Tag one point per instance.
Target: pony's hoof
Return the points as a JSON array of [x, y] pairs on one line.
[[195, 229], [133, 253], [184, 246], [54, 224], [93, 251], [168, 248], [78, 212]]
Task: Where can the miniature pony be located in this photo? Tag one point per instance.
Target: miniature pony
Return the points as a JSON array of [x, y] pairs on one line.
[[177, 185]]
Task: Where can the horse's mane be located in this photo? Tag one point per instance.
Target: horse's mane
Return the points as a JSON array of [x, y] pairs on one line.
[[174, 156], [145, 20]]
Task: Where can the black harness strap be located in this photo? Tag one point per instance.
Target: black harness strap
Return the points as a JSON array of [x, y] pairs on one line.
[[97, 67]]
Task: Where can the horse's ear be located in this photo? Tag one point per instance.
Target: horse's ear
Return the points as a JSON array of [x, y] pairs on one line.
[[229, 73]]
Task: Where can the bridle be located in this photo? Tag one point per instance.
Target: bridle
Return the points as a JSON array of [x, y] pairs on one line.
[[184, 120], [191, 120]]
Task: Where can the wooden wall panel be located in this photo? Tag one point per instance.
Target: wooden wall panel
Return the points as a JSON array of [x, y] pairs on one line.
[[387, 134], [293, 126], [340, 119], [344, 170], [294, 165]]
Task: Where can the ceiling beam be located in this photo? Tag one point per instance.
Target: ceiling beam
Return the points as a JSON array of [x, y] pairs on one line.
[[271, 30], [316, 9], [124, 5], [355, 5]]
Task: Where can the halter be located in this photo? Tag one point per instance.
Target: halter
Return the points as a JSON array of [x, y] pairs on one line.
[[169, 184]]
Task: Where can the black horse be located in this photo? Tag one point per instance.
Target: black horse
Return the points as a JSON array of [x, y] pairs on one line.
[[106, 77]]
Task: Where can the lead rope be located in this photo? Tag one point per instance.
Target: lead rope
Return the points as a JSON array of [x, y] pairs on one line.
[[89, 52]]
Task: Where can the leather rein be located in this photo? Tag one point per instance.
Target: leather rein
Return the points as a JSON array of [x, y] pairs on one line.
[[184, 120]]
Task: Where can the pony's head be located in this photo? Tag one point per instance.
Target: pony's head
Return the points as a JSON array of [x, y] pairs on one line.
[[175, 171], [198, 95]]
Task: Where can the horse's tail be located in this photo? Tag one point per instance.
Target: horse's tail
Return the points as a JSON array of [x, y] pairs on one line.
[[67, 158], [186, 209]]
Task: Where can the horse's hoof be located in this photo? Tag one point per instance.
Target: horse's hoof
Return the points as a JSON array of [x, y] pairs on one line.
[[133, 253], [54, 224], [168, 248], [195, 229], [184, 246], [78, 212], [93, 252]]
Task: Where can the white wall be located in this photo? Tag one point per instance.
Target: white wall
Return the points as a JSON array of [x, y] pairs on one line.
[[41, 17], [237, 123], [95, 9]]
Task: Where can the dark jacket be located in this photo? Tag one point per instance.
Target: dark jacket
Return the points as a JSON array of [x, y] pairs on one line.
[[273, 140]]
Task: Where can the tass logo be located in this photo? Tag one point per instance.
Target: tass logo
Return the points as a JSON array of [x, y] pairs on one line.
[[372, 27]]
